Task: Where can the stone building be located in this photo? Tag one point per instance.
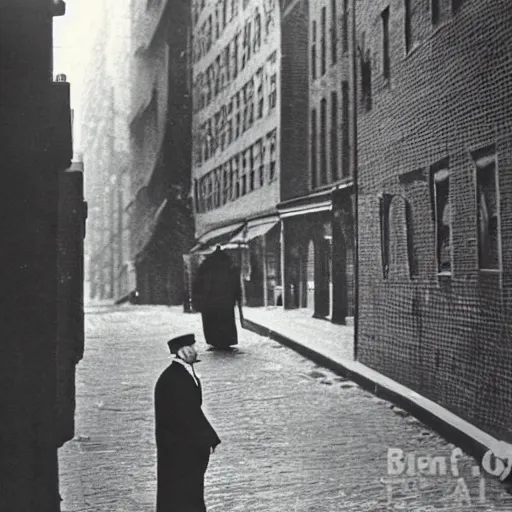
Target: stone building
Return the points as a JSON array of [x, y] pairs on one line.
[[317, 190], [435, 201], [161, 224], [236, 137]]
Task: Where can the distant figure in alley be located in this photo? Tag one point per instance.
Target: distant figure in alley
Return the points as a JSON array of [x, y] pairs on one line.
[[217, 290], [184, 437]]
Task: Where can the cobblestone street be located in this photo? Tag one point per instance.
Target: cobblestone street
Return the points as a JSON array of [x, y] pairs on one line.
[[295, 437]]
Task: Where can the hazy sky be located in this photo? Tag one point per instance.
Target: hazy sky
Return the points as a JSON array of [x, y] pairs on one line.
[[72, 37]]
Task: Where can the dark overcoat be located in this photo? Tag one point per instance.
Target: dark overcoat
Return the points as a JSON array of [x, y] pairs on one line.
[[184, 437], [216, 292]]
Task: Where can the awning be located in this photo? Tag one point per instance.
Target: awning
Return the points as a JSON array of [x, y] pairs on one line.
[[219, 236], [254, 229], [312, 203]]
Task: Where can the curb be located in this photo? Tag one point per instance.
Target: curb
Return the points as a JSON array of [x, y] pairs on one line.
[[452, 433]]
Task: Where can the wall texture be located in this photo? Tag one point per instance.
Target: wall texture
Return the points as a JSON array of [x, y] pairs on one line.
[[446, 335]]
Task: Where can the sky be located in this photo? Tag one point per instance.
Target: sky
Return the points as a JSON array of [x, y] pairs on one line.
[[72, 38]]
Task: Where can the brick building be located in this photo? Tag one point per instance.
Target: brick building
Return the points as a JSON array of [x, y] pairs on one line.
[[316, 187], [161, 224], [435, 201], [236, 103]]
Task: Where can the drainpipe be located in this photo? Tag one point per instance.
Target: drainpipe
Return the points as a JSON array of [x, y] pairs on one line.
[[355, 176]]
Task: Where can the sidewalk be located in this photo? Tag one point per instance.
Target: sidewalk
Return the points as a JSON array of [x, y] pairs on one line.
[[332, 346]]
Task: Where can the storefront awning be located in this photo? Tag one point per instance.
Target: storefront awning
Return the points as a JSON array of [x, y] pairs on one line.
[[220, 236], [312, 203], [254, 229]]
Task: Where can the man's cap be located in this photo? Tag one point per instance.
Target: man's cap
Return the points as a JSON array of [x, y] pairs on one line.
[[181, 341]]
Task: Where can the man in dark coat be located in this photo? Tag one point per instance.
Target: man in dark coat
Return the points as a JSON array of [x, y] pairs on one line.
[[184, 437], [217, 290]]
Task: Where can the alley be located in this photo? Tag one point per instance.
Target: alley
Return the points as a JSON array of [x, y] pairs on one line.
[[295, 437]]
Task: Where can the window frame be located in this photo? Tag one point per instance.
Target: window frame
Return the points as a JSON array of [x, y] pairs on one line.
[[482, 159], [436, 169], [386, 56]]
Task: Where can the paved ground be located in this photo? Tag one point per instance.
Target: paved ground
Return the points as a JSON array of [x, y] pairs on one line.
[[296, 438], [335, 341]]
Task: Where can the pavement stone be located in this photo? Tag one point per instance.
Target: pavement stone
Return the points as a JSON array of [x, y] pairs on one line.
[[295, 437]]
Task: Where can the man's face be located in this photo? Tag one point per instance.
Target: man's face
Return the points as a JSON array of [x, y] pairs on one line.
[[188, 354]]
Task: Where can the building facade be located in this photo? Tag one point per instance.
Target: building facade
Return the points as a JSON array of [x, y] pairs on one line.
[[236, 137], [435, 201], [160, 126], [105, 149], [317, 189]]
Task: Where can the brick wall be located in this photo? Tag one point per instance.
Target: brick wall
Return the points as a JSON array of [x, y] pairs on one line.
[[446, 336]]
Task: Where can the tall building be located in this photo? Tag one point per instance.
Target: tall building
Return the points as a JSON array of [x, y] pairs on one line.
[[317, 188], [161, 222], [435, 202], [106, 150], [37, 356], [236, 137]]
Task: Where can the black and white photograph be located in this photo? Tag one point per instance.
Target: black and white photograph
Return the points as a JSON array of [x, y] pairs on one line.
[[257, 256]]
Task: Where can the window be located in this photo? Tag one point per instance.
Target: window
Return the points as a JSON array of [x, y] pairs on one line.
[[200, 199], [229, 123], [236, 175], [314, 146], [334, 136], [440, 185], [334, 32], [385, 43], [259, 92], [248, 92], [323, 42], [209, 197], [269, 15], [217, 21], [224, 13], [234, 57], [408, 25], [196, 195], [217, 176], [225, 183], [209, 33], [257, 31], [217, 75], [435, 14], [227, 63], [243, 187], [223, 127], [246, 55], [345, 135], [323, 141], [313, 51], [252, 170], [366, 80], [384, 208], [262, 162], [488, 209], [345, 27], [217, 132], [210, 80], [209, 139], [258, 161], [272, 136], [273, 92], [238, 124], [231, 181]]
